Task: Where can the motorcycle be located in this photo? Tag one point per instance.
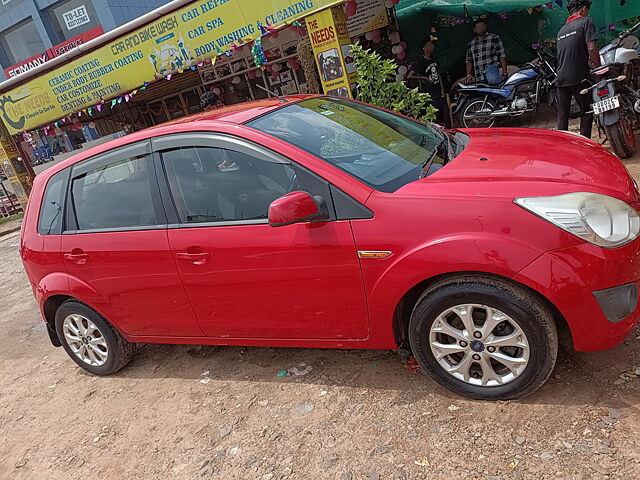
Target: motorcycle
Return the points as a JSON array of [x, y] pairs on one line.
[[481, 105], [616, 92]]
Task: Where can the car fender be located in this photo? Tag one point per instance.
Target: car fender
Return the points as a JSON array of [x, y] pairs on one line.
[[446, 255], [60, 283]]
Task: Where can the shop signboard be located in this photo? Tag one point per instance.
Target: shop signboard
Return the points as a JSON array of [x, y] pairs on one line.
[[52, 52], [332, 50], [370, 15], [176, 41]]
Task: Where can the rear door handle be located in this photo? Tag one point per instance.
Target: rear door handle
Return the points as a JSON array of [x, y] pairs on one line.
[[195, 258], [79, 258]]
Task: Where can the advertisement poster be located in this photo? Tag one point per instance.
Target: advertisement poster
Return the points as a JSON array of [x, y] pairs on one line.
[[371, 14], [176, 41], [329, 40]]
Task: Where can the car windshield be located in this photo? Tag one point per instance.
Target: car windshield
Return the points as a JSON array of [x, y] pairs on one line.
[[381, 149]]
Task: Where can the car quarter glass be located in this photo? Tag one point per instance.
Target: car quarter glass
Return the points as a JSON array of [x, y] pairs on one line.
[[50, 219]]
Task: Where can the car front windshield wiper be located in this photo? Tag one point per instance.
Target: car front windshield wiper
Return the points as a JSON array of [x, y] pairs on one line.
[[445, 144]]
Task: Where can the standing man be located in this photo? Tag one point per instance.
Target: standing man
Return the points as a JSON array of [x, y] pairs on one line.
[[484, 54], [577, 54], [426, 69]]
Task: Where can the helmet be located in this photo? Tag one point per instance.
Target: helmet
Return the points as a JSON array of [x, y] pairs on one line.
[[575, 5]]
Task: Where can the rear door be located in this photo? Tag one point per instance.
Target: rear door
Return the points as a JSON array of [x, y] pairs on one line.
[[116, 244], [245, 278]]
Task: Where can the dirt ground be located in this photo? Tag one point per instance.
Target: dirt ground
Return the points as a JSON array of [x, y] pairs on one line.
[[224, 413]]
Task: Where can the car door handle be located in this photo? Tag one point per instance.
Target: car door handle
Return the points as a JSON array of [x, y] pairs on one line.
[[195, 258], [79, 258]]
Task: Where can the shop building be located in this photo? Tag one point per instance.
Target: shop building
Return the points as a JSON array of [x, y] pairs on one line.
[[30, 28], [157, 67]]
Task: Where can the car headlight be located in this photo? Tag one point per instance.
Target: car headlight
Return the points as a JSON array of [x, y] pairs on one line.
[[599, 219]]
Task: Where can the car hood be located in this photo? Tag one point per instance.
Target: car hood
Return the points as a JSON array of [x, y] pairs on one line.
[[528, 162]]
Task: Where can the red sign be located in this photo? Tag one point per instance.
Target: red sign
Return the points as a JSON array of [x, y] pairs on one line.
[[52, 52]]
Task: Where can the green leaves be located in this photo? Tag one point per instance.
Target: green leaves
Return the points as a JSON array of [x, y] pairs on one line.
[[378, 86]]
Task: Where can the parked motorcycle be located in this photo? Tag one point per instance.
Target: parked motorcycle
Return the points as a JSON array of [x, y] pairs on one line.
[[616, 92], [480, 104]]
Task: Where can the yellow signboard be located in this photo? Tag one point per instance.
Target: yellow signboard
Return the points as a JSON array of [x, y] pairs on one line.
[[194, 33], [332, 48]]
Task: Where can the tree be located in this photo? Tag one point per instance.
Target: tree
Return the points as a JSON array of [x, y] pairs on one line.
[[378, 86]]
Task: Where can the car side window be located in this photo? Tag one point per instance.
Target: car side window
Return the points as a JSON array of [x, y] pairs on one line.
[[115, 195], [51, 210], [221, 185]]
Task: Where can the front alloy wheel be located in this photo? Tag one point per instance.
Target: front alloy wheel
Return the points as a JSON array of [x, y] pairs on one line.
[[479, 345], [484, 337]]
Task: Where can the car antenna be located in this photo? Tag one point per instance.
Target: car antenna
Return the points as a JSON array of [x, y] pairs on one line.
[[279, 97]]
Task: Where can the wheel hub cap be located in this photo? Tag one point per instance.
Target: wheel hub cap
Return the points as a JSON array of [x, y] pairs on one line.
[[85, 340], [479, 345]]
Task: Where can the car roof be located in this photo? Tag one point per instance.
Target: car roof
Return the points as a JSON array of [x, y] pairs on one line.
[[230, 115], [240, 112]]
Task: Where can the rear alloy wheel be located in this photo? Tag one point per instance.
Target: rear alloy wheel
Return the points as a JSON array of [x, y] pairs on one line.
[[484, 338], [90, 340]]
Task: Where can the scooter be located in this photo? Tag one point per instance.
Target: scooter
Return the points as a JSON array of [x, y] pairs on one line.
[[481, 105], [616, 92]]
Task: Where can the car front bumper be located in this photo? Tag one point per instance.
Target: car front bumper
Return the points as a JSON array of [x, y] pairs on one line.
[[579, 281]]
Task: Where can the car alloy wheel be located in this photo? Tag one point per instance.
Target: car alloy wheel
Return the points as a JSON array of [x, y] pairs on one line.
[[479, 345], [85, 340]]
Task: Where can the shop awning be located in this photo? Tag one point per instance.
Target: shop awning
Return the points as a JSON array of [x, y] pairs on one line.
[[457, 7]]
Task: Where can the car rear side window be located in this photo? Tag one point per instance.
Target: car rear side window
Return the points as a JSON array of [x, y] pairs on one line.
[[115, 195], [50, 220]]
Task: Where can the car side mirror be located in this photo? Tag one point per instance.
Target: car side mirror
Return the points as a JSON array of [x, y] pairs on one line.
[[297, 207]]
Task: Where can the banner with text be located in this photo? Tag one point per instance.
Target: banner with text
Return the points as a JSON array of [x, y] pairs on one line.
[[371, 14], [176, 41], [332, 49]]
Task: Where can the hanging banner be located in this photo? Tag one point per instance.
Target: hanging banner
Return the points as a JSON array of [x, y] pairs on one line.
[[177, 41], [332, 50], [370, 15]]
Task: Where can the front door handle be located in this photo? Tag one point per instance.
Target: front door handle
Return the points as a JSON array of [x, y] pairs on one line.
[[195, 258], [79, 258]]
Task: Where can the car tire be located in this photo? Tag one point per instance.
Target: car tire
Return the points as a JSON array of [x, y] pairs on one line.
[[90, 340], [622, 138], [525, 323]]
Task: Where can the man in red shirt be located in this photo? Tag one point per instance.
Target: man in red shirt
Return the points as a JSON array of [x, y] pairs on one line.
[[577, 55]]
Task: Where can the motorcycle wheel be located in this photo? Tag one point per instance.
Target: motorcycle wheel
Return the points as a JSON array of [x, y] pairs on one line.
[[622, 137], [474, 105]]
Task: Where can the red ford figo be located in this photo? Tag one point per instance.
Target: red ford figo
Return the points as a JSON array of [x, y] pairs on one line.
[[312, 221]]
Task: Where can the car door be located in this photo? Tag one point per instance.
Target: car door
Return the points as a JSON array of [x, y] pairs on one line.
[[115, 244], [245, 278]]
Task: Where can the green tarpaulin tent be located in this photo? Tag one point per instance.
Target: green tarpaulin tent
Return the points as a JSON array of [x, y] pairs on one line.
[[519, 29]]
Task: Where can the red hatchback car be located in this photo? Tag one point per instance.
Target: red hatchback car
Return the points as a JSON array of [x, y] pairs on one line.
[[323, 222]]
